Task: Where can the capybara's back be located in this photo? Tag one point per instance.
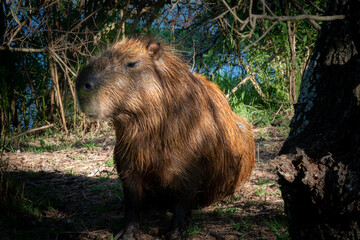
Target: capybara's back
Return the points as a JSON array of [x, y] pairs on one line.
[[175, 131], [232, 157]]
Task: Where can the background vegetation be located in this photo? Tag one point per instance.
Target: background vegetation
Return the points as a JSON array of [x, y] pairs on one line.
[[242, 44]]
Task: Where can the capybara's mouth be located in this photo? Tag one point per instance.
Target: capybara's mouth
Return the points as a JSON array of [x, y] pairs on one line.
[[90, 110], [93, 115], [88, 104]]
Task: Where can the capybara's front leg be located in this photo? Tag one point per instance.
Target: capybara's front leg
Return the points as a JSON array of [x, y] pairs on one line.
[[180, 220], [132, 193]]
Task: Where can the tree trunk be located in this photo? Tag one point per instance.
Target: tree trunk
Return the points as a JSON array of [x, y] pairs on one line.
[[319, 164]]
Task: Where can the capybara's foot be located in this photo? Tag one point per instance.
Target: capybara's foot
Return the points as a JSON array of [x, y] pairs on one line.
[[178, 228], [130, 232], [176, 233]]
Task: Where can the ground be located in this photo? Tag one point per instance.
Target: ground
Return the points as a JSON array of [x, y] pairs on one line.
[[69, 190]]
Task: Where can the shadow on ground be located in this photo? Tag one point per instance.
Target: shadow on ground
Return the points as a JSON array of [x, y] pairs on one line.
[[65, 206]]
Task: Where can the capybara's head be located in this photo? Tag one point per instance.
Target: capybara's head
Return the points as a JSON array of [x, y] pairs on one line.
[[120, 78]]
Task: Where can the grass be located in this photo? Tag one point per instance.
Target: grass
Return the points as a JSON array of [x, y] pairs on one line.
[[16, 208], [49, 141], [277, 192], [194, 230], [97, 189], [7, 147], [278, 227], [263, 134], [70, 172], [245, 225], [199, 216], [263, 181], [110, 162], [260, 191], [117, 190], [227, 211], [260, 116], [104, 178], [86, 144]]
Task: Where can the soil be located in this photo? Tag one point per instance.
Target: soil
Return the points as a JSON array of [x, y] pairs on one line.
[[72, 192]]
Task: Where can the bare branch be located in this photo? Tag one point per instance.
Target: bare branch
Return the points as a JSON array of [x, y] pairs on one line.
[[267, 8], [232, 12], [60, 61], [313, 23], [239, 85], [299, 17], [251, 20], [30, 50], [31, 130], [314, 5]]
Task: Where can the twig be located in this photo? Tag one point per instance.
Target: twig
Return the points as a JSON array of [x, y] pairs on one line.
[[122, 21], [252, 18], [31, 130], [59, 60], [31, 50], [262, 36], [194, 56], [299, 17], [232, 12], [312, 22], [314, 5]]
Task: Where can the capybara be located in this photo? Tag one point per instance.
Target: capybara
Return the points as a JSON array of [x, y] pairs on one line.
[[176, 135]]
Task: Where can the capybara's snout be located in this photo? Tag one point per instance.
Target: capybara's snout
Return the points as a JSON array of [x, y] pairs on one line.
[[87, 82], [86, 85]]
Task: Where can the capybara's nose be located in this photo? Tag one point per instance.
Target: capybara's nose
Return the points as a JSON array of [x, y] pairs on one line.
[[88, 86], [87, 82]]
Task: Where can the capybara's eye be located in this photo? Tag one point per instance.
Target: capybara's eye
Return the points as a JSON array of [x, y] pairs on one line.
[[131, 64]]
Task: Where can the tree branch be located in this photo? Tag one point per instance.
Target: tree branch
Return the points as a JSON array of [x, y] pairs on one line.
[[299, 17], [30, 131], [312, 22], [29, 50]]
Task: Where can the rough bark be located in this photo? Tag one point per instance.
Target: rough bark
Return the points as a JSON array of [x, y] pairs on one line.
[[319, 164]]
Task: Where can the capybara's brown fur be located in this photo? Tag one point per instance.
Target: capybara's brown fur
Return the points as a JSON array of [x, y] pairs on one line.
[[175, 131]]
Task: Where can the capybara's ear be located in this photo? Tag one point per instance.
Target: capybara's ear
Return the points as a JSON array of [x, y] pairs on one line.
[[155, 50]]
